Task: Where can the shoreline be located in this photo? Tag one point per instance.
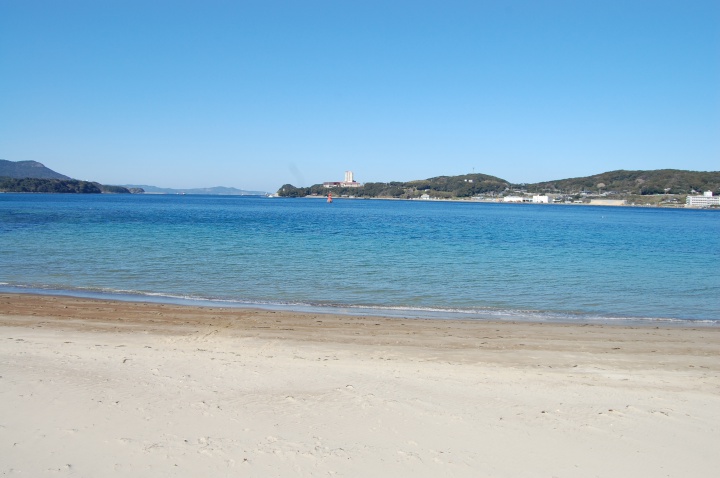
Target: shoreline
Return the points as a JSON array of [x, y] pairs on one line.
[[491, 201], [408, 313], [458, 200], [103, 314], [110, 388]]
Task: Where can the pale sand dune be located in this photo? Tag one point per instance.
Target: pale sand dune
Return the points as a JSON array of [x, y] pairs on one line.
[[93, 388]]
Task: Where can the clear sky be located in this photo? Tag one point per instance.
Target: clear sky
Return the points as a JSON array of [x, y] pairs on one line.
[[255, 94]]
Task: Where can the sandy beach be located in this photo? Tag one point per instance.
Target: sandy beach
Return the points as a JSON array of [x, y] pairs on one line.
[[94, 388]]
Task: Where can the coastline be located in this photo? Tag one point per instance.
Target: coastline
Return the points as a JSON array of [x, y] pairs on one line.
[[408, 313], [526, 203], [97, 387], [459, 200]]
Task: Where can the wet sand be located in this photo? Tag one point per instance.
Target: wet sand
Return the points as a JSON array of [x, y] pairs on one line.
[[107, 388]]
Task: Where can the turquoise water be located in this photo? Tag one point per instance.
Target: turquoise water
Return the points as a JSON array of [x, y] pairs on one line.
[[405, 258]]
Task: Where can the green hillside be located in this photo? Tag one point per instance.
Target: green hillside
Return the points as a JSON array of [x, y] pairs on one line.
[[34, 177], [442, 186], [38, 185], [27, 169], [660, 181]]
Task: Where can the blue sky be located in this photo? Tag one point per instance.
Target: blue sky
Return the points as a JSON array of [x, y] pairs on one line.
[[255, 94]]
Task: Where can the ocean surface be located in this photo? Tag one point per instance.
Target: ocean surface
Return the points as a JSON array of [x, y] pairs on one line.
[[394, 258]]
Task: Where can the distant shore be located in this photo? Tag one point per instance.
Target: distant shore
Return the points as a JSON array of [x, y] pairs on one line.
[[465, 200], [97, 387], [499, 201]]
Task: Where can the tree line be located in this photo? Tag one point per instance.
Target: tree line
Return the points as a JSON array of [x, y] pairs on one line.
[[442, 186], [622, 182], [74, 186]]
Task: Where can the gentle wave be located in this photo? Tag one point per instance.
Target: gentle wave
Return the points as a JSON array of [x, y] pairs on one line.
[[404, 259], [348, 309]]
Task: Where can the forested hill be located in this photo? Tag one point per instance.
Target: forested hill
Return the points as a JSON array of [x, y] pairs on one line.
[[27, 169], [442, 186], [34, 177], [38, 185], [660, 181]]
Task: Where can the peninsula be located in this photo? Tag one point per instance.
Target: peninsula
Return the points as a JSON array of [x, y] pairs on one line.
[[34, 177], [648, 187]]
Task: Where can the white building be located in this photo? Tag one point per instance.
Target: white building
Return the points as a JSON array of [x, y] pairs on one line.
[[348, 183], [541, 199], [706, 200], [514, 199]]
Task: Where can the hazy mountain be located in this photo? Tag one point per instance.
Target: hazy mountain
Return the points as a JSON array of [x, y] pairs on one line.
[[217, 190], [35, 170], [27, 169]]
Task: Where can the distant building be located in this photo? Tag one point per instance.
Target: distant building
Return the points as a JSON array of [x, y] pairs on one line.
[[706, 200], [348, 183], [515, 199], [541, 199], [607, 202]]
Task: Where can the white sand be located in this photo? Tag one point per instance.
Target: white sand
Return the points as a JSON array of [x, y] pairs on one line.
[[96, 389]]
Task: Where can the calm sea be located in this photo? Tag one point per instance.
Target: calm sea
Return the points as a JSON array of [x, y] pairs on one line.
[[402, 258]]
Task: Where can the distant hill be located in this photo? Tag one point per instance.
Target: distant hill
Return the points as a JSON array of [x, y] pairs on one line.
[[34, 177], [27, 169], [217, 190], [659, 181], [463, 186], [31, 176], [40, 185]]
